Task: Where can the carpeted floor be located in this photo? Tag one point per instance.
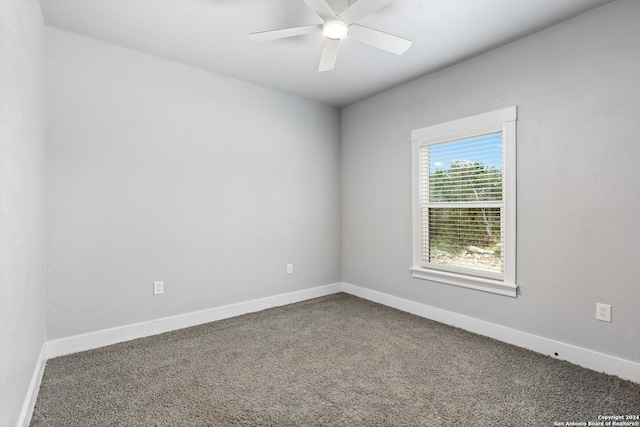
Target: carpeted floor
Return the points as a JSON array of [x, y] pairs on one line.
[[332, 361]]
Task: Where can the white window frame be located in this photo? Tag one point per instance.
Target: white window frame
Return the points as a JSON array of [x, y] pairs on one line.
[[503, 120]]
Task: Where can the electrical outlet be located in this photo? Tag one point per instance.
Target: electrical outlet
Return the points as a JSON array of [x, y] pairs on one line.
[[603, 312], [158, 288], [289, 268]]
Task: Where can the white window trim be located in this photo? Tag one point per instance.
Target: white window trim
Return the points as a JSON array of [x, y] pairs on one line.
[[504, 120]]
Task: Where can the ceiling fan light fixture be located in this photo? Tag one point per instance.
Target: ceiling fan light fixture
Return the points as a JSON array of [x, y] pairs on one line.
[[335, 30]]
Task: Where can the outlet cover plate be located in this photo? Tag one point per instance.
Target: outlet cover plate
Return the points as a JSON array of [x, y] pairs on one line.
[[603, 312], [158, 287]]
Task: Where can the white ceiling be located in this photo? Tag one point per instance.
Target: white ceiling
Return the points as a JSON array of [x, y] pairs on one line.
[[213, 35]]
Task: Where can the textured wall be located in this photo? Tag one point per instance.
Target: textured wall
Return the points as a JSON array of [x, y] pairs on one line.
[[158, 171], [21, 201], [577, 89]]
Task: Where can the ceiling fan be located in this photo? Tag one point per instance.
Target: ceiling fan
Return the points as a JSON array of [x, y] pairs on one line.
[[336, 27]]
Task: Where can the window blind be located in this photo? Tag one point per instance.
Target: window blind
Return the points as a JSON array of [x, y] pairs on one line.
[[461, 204]]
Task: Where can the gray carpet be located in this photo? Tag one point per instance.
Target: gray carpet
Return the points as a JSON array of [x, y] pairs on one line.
[[332, 361]]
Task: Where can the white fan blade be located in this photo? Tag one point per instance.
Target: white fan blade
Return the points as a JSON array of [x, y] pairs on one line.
[[362, 8], [321, 7], [286, 32], [379, 39], [329, 54]]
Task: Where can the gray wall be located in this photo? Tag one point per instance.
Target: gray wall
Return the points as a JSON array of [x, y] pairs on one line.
[[577, 89], [158, 171], [21, 201]]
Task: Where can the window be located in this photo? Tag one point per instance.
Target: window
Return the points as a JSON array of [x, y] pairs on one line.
[[464, 202]]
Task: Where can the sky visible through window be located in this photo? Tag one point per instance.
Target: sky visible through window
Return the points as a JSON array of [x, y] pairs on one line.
[[485, 149]]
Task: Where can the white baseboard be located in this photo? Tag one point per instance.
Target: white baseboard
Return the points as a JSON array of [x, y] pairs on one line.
[[34, 387], [586, 358], [106, 337]]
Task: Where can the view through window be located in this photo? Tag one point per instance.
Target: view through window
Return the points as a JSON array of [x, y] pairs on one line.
[[461, 203]]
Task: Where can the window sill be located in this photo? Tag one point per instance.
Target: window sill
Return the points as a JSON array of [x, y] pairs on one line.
[[465, 281]]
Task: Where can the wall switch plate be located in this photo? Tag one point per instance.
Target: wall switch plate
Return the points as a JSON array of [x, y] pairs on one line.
[[603, 312], [289, 268], [158, 288]]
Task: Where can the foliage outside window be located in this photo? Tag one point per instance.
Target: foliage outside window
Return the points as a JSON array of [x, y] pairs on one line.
[[464, 210]]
